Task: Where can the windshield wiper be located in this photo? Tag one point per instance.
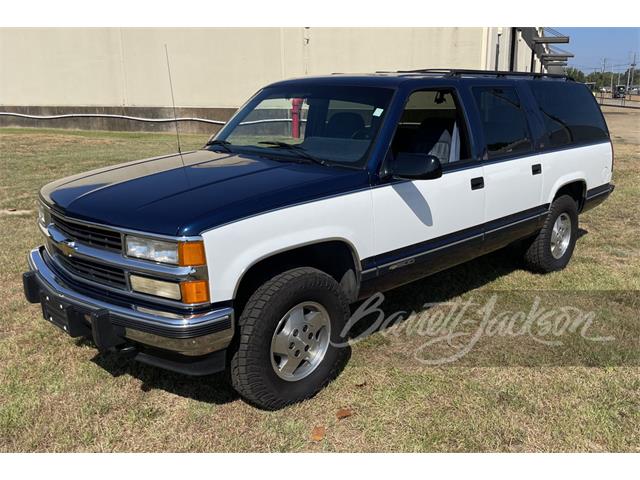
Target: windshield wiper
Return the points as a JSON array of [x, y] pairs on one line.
[[220, 143], [298, 149]]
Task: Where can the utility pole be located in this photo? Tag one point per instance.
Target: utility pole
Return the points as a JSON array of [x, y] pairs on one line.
[[612, 82], [498, 51], [604, 68], [633, 69]]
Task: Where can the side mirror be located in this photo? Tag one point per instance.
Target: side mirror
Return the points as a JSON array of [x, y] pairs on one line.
[[416, 166]]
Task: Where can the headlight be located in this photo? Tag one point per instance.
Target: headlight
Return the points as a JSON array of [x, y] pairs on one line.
[[158, 288], [154, 250], [193, 291], [43, 215], [174, 253]]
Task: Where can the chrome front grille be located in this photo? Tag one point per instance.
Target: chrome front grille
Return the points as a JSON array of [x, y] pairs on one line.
[[88, 234], [92, 271], [92, 253]]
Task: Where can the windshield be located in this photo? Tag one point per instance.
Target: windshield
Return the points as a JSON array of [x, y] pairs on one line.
[[319, 124]]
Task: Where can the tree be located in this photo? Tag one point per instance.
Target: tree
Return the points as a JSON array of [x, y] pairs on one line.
[[607, 79], [577, 75], [601, 79]]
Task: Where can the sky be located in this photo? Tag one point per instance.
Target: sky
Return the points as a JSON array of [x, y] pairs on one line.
[[591, 45]]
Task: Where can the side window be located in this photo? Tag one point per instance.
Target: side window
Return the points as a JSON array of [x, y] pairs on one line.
[[432, 123], [570, 113], [503, 121]]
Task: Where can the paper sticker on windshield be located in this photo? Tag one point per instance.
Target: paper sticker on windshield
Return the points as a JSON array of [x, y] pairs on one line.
[[377, 112]]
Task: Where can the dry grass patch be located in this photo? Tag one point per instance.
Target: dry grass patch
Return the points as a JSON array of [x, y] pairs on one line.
[[57, 394]]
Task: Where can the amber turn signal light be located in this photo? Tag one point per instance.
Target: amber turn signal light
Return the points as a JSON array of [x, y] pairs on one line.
[[196, 291], [191, 253]]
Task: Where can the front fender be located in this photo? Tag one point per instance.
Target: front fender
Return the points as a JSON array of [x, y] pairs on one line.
[[233, 248]]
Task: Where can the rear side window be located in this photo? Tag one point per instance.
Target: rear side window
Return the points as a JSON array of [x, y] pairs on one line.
[[570, 113], [503, 121]]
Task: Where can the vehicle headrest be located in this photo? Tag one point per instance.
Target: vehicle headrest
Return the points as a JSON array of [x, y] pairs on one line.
[[344, 125]]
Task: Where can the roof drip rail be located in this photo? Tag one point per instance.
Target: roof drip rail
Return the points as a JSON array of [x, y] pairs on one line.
[[491, 73], [426, 70], [433, 71]]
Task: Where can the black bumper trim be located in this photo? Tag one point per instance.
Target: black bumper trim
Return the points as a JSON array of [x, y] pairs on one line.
[[106, 335], [31, 287], [194, 366], [595, 196]]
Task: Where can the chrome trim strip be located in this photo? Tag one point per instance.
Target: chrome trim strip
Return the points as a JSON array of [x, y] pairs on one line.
[[126, 292], [599, 194], [186, 346], [128, 265], [111, 258], [431, 250], [527, 219], [177, 325], [450, 244]]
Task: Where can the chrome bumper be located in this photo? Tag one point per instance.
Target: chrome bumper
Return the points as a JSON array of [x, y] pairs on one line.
[[192, 335]]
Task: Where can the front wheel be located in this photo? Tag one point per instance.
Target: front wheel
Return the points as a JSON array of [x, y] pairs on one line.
[[288, 334], [552, 248]]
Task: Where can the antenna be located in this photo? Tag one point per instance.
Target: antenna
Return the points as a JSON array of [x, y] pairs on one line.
[[173, 102]]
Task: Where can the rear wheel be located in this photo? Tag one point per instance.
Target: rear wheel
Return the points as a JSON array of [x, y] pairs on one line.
[[285, 352], [552, 248]]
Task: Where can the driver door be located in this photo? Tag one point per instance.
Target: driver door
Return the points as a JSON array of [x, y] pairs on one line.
[[422, 226]]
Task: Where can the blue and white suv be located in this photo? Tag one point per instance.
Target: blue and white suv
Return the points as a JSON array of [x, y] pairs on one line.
[[320, 191]]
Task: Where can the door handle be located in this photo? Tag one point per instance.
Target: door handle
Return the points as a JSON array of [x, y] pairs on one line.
[[477, 183], [536, 169]]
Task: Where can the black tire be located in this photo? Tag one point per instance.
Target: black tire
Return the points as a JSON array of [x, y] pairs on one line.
[[251, 371], [538, 256]]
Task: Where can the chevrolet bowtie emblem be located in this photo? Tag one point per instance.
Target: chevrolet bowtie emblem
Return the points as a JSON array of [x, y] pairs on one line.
[[67, 247]]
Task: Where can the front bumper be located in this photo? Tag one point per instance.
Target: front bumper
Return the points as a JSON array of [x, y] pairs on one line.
[[119, 325]]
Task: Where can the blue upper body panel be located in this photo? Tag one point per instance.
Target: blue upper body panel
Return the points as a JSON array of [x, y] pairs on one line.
[[163, 196], [204, 189]]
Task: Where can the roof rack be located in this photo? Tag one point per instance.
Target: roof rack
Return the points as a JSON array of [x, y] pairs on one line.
[[494, 73]]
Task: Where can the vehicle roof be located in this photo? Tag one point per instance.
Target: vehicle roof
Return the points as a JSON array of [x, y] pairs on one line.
[[395, 79]]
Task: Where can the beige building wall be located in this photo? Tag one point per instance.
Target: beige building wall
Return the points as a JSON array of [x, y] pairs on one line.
[[216, 67]]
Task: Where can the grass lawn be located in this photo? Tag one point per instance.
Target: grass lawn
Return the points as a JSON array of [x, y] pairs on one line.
[[507, 394]]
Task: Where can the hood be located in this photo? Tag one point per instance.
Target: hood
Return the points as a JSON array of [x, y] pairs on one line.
[[166, 196]]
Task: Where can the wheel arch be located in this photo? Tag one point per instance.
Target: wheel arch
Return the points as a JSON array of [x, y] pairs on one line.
[[335, 256], [575, 188]]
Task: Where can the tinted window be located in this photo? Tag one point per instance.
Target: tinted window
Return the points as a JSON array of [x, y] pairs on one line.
[[335, 124], [503, 120], [570, 113], [432, 123]]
